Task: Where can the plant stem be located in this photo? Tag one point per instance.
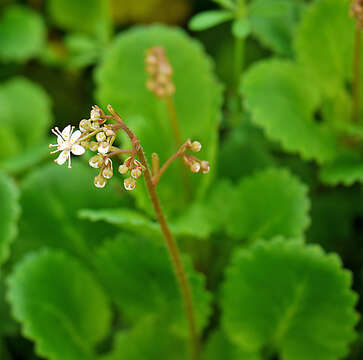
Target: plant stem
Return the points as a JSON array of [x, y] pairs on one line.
[[238, 60], [169, 239], [356, 74], [174, 122]]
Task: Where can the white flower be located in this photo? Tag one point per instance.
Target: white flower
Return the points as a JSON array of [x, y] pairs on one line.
[[67, 144]]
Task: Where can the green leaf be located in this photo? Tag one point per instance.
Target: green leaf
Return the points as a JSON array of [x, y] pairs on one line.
[[282, 101], [241, 28], [274, 23], [50, 200], [291, 298], [87, 16], [22, 34], [8, 326], [220, 347], [146, 269], [345, 169], [60, 306], [227, 4], [283, 199], [330, 64], [9, 210], [150, 339], [121, 79], [208, 19], [25, 117]]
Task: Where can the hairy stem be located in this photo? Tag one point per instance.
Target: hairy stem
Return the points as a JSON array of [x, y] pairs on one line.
[[169, 239], [356, 74], [178, 141]]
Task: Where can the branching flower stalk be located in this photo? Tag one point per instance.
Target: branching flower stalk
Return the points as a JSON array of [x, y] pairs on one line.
[[160, 83], [357, 13], [96, 135]]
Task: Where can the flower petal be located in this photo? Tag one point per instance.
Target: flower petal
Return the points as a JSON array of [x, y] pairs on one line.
[[75, 136], [62, 158], [66, 133], [78, 150]]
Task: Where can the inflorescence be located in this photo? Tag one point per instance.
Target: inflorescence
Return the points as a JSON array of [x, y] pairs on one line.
[[98, 136]]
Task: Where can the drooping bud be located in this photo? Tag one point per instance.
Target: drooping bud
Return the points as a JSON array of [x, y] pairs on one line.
[[96, 161], [195, 146], [107, 173], [129, 183], [136, 173], [100, 181], [204, 167], [109, 132], [93, 145], [195, 167], [104, 147], [123, 169], [101, 136]]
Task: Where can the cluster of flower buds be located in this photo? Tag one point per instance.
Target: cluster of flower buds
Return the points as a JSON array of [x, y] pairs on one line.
[[160, 72], [193, 162], [134, 168], [356, 11]]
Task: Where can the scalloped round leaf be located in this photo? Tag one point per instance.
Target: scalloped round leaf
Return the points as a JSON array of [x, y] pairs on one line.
[[220, 347], [9, 210], [282, 102], [25, 116], [22, 34], [121, 79], [150, 339], [89, 16], [310, 312], [60, 306], [56, 193], [346, 169], [330, 64], [147, 269], [274, 23], [282, 197]]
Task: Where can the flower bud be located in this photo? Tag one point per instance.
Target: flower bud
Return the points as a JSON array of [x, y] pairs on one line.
[[95, 125], [84, 125], [195, 167], [85, 144], [195, 146], [103, 147], [96, 161], [204, 167], [107, 173], [101, 136], [93, 146], [109, 132], [129, 183], [95, 114], [136, 173], [123, 169], [100, 181]]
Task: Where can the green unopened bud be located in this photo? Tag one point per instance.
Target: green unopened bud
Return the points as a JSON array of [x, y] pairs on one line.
[[136, 173], [195, 146], [123, 169], [93, 145], [96, 161], [195, 167], [129, 183], [100, 181], [101, 136]]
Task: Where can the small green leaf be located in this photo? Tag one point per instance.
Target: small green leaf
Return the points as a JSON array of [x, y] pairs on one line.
[[241, 28], [345, 169], [22, 34], [9, 210], [208, 19], [56, 193], [146, 269], [282, 101], [60, 306], [283, 199], [150, 339], [330, 64], [291, 298], [227, 4]]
